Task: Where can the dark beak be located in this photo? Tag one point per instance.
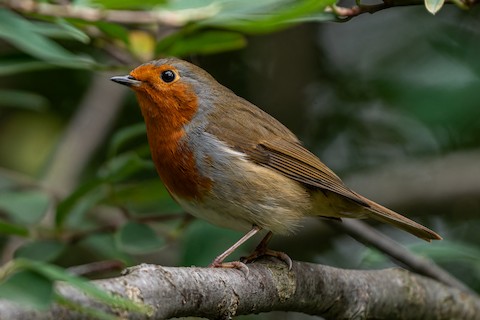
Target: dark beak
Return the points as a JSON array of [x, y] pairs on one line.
[[128, 81]]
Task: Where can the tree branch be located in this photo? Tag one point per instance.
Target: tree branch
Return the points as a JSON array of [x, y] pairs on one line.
[[171, 18], [314, 289], [86, 131], [349, 12], [180, 18]]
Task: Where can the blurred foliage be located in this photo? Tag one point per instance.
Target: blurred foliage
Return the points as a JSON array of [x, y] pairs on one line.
[[366, 91]]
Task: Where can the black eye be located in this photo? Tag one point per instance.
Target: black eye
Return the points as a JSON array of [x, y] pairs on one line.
[[168, 76]]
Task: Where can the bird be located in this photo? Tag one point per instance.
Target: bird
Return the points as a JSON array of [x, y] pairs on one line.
[[227, 161]]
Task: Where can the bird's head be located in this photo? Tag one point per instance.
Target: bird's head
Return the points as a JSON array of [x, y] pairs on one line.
[[171, 89]]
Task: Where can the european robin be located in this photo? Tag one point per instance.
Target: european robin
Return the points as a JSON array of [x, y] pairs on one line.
[[225, 160]]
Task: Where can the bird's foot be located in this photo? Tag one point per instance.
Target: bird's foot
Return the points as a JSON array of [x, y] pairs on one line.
[[268, 252], [262, 250], [231, 265]]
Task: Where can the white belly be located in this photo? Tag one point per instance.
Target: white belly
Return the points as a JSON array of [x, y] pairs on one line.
[[245, 194]]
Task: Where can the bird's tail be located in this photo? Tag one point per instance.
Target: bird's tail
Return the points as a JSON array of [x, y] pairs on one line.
[[382, 214]]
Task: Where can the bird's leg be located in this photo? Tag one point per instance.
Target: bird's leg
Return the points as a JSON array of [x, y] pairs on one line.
[[262, 250], [218, 261]]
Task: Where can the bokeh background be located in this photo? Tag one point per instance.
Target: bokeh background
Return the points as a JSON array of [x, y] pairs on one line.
[[389, 101]]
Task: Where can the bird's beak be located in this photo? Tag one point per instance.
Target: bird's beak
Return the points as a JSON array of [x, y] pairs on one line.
[[128, 81]]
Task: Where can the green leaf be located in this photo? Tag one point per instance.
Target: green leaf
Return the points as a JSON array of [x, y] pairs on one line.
[[28, 287], [104, 246], [87, 312], [73, 203], [45, 250], [147, 196], [206, 42], [26, 207], [170, 40], [127, 4], [22, 99], [22, 34], [445, 251], [433, 6], [123, 166], [72, 31], [54, 273], [9, 67], [252, 16], [137, 238], [91, 192], [125, 135], [72, 212], [61, 29], [13, 229], [180, 5], [113, 30], [317, 17], [76, 216]]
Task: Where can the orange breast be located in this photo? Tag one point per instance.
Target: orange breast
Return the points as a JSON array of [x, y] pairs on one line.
[[174, 161], [176, 167]]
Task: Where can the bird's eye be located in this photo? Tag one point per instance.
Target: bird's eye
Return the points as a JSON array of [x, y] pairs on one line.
[[168, 76]]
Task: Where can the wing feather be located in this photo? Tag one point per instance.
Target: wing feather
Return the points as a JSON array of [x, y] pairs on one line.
[[297, 163], [269, 143]]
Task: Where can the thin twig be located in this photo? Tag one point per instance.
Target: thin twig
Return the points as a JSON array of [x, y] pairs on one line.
[[96, 267], [374, 238], [349, 12]]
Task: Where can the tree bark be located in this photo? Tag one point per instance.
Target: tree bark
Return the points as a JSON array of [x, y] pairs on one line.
[[313, 289]]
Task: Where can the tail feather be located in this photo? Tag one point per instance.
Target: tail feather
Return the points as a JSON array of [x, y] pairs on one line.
[[382, 214]]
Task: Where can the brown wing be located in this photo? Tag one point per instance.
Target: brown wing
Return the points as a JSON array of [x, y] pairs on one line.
[[256, 133], [297, 163]]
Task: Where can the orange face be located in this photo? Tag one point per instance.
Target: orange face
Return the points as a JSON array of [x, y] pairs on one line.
[[163, 95]]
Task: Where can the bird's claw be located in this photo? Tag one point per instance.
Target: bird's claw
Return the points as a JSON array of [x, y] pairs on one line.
[[260, 252], [231, 265]]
